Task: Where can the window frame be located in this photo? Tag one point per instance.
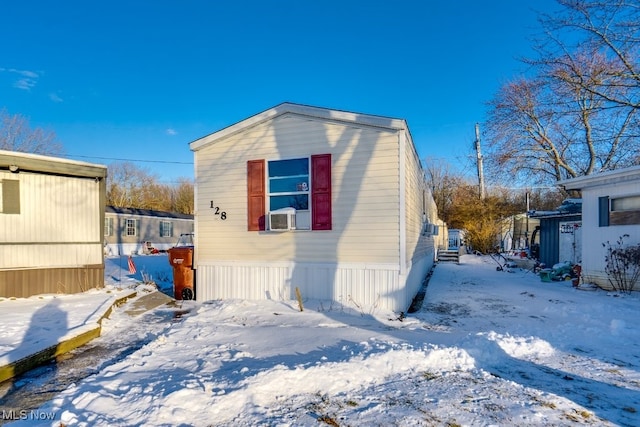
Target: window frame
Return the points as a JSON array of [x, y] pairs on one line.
[[128, 221], [624, 215], [166, 228], [108, 226], [303, 216], [321, 206]]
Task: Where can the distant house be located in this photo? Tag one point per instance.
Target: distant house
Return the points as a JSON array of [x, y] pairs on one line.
[[51, 222], [516, 232], [129, 230], [610, 209], [456, 239], [330, 202]]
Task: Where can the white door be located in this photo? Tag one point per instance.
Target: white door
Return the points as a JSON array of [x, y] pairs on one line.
[[570, 242]]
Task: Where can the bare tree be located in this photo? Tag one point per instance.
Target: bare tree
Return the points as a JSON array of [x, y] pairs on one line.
[[183, 197], [608, 29], [130, 186], [17, 135], [578, 114], [133, 187], [443, 183]]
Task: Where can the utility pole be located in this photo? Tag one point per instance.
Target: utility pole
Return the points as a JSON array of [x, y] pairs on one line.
[[526, 232], [479, 158]]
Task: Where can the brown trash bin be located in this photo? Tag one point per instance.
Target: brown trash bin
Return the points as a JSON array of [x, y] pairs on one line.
[[181, 259]]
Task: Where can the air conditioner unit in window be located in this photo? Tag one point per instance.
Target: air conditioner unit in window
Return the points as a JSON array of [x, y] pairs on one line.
[[427, 228], [282, 219], [431, 229]]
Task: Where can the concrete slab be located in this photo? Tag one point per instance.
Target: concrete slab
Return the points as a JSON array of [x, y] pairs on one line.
[[148, 302]]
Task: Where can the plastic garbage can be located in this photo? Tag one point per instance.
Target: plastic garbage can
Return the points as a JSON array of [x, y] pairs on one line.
[[181, 259]]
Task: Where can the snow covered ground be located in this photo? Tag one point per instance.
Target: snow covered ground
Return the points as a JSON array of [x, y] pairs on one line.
[[487, 348]]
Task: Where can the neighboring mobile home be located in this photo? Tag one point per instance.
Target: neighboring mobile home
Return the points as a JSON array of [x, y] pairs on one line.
[[51, 222], [330, 202], [139, 231], [610, 209]]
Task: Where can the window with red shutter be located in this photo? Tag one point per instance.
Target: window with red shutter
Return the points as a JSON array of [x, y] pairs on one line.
[[288, 186], [255, 195]]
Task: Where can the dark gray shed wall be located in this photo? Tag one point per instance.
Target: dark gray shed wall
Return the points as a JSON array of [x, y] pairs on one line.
[[550, 237]]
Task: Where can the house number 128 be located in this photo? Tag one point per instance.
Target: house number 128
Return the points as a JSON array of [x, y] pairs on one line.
[[217, 211]]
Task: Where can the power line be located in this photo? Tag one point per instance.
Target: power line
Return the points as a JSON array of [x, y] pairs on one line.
[[130, 160]]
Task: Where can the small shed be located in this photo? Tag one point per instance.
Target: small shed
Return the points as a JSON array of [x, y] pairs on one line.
[[328, 202], [610, 210], [559, 235], [130, 230], [51, 222]]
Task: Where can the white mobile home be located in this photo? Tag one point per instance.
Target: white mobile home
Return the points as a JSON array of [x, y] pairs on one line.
[[610, 209], [51, 222], [138, 231], [330, 202]]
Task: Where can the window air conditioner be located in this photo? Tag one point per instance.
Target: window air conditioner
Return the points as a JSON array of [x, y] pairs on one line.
[[282, 219], [430, 229]]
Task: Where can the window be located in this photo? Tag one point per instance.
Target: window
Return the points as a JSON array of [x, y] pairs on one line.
[[108, 226], [166, 229], [288, 185], [10, 196], [303, 184], [624, 210], [131, 228], [625, 204]]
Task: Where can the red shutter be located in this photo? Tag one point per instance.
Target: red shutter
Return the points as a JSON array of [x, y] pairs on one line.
[[255, 195], [321, 192]]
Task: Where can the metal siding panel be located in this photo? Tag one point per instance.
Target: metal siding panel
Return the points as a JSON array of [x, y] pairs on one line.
[[26, 283], [549, 238]]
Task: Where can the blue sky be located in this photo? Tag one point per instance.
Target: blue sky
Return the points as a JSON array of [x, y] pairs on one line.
[[141, 79]]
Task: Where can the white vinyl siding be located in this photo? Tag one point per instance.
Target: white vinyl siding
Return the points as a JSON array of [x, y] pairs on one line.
[[374, 255], [418, 243], [365, 195]]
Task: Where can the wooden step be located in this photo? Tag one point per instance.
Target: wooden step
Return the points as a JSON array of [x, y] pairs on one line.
[[449, 256]]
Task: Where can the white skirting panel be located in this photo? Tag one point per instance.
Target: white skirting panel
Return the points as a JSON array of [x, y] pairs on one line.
[[364, 286]]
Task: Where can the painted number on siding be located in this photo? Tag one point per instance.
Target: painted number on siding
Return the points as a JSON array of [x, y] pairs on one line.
[[217, 211]]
